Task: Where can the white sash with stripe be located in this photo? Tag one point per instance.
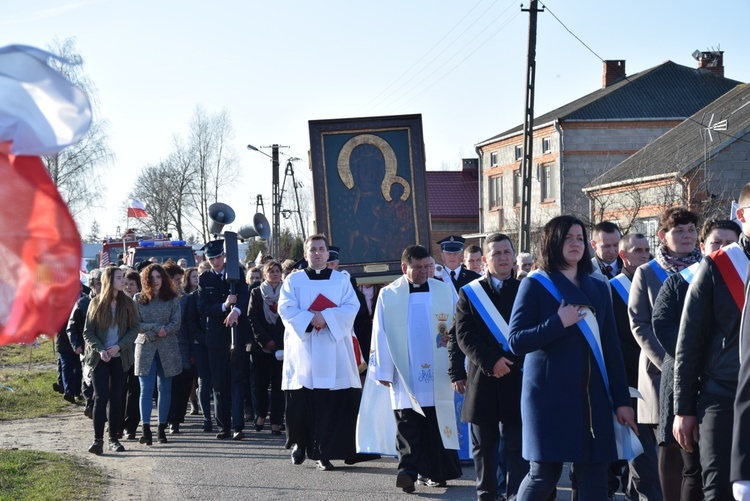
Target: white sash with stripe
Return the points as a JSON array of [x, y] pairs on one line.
[[491, 311], [621, 284]]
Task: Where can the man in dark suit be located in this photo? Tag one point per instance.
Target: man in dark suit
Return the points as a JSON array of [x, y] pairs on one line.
[[492, 401], [605, 238], [223, 311], [453, 272], [641, 478], [739, 473]]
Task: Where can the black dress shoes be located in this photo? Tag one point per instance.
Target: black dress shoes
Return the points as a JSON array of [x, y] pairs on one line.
[[324, 465], [223, 434], [298, 455], [405, 482], [238, 435]]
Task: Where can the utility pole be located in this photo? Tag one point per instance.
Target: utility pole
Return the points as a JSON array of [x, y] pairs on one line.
[[275, 197], [275, 202], [524, 237]]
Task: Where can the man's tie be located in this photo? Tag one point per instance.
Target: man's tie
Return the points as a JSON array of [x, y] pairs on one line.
[[453, 276], [609, 269]]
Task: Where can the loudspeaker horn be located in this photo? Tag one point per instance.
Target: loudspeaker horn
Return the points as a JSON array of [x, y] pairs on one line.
[[220, 214], [259, 228]]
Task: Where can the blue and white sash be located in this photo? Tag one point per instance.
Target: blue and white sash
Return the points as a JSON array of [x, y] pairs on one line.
[[661, 273], [628, 445], [490, 316], [689, 272], [621, 284]]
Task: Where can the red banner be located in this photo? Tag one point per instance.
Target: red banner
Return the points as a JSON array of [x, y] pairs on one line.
[[40, 248]]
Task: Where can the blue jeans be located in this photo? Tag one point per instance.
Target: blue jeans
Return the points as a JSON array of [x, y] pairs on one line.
[[147, 392], [72, 373]]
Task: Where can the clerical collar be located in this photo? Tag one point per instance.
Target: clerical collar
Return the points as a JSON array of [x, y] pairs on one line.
[[314, 274], [418, 288]]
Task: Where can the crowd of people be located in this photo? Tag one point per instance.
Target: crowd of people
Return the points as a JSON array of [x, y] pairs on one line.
[[603, 352]]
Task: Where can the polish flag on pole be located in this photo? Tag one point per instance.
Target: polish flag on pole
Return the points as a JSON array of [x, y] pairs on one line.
[[136, 209]]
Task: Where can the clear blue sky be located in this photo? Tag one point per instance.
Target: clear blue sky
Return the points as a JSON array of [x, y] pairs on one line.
[[274, 65]]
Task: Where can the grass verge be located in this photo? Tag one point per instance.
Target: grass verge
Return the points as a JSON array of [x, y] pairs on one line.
[[24, 354], [29, 394], [31, 475]]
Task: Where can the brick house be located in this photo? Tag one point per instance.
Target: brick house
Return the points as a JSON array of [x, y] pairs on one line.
[[702, 163], [453, 201], [575, 143]]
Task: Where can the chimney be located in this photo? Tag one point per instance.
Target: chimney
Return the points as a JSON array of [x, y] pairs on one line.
[[470, 164], [712, 60], [613, 71]]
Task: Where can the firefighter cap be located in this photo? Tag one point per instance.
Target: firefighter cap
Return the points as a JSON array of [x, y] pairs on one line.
[[333, 253], [452, 243], [214, 248]]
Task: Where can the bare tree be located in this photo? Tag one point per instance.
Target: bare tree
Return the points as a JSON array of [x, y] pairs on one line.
[[152, 188], [215, 162], [75, 169], [166, 189]]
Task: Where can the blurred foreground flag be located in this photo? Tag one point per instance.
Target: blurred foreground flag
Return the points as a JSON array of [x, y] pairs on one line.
[[40, 248], [136, 209], [40, 111]]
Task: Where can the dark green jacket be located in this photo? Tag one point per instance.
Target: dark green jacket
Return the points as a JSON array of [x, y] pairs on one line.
[[95, 336]]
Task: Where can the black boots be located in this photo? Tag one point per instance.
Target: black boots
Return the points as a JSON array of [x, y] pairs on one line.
[[161, 434], [146, 438], [97, 447]]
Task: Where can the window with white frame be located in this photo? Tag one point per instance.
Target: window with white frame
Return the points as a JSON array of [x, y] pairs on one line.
[[517, 187], [496, 192], [546, 145], [519, 152], [493, 158], [548, 181]]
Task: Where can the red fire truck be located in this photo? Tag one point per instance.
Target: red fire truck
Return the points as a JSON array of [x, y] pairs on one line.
[[136, 249]]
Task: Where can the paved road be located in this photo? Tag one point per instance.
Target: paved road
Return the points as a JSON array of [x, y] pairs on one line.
[[195, 465]]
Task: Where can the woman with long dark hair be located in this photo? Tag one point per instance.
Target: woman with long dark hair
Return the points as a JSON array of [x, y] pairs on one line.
[[574, 377], [157, 354], [110, 331], [269, 333]]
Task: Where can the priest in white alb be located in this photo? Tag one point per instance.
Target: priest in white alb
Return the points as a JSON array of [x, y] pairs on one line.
[[320, 378], [410, 356]]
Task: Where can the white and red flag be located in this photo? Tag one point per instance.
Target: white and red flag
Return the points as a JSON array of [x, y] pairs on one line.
[[136, 209], [40, 114]]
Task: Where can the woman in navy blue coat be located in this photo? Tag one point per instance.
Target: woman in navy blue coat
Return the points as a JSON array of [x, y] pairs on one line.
[[566, 411]]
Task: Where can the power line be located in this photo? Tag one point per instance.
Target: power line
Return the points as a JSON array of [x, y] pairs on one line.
[[423, 56], [437, 80], [389, 96], [457, 53], [635, 83]]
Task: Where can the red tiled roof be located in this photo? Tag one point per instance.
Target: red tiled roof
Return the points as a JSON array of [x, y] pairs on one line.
[[453, 194]]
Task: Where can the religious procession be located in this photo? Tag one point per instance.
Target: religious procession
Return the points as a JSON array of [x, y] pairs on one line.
[[532, 362], [510, 322]]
